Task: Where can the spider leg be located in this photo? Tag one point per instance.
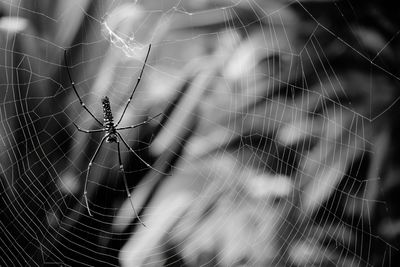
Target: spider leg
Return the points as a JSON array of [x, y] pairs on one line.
[[76, 92], [139, 124], [89, 131], [88, 171], [121, 168], [134, 88], [133, 151]]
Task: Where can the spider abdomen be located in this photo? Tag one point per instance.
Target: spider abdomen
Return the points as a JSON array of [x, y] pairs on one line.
[[107, 114]]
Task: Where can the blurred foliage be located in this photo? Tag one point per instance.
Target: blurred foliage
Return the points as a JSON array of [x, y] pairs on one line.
[[280, 124]]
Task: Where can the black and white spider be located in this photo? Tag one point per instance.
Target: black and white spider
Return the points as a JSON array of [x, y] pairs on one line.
[[112, 135]]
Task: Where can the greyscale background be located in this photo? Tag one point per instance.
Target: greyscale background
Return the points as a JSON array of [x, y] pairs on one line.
[[267, 133]]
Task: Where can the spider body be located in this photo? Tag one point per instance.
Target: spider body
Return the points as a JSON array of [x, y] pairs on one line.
[[108, 123], [112, 134]]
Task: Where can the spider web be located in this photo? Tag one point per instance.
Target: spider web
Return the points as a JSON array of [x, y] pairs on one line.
[[278, 130]]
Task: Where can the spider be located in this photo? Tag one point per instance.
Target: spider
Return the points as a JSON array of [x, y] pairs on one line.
[[112, 134]]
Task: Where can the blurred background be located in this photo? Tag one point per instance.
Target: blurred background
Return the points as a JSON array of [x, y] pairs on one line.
[[278, 133]]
